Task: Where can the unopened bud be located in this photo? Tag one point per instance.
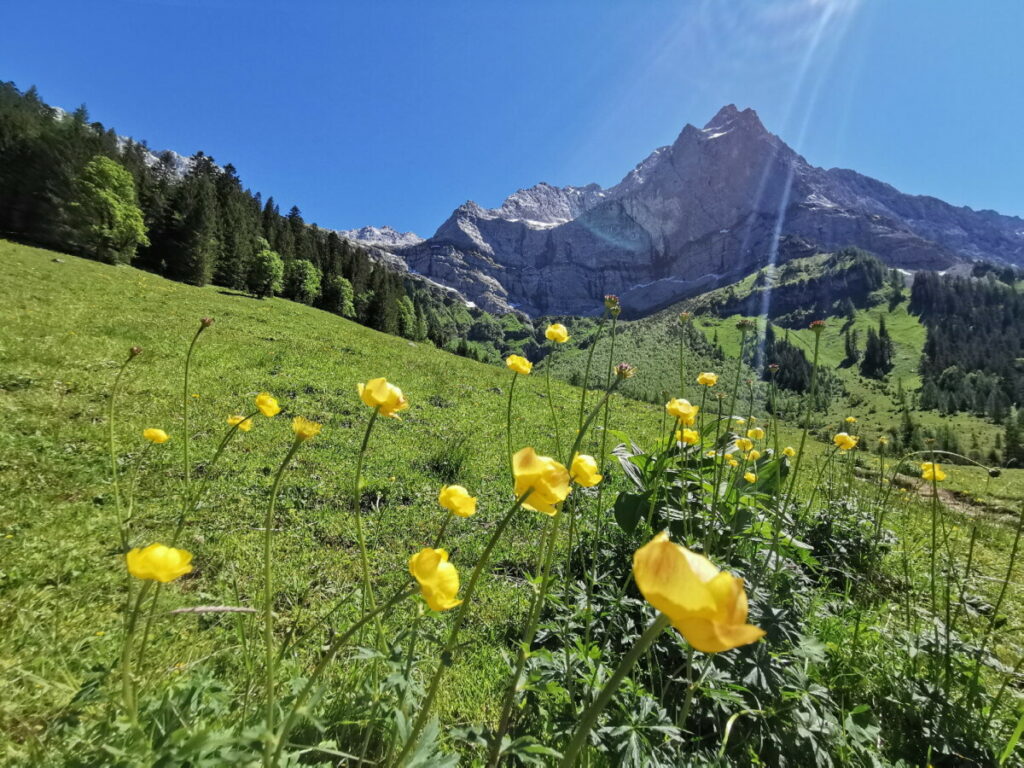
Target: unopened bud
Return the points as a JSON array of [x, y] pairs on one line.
[[611, 303], [206, 322], [685, 317], [818, 326], [745, 324], [134, 352]]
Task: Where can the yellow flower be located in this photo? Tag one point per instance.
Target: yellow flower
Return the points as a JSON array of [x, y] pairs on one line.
[[756, 433], [883, 440], [557, 333], [707, 379], [731, 461], [584, 471], [789, 451], [750, 477], [158, 563], [457, 500], [930, 471], [740, 421], [378, 393], [688, 436], [850, 419], [304, 428], [438, 579], [708, 606], [157, 436], [744, 444], [548, 479], [709, 455], [243, 423], [753, 455], [267, 405], [682, 410], [844, 441], [519, 364]]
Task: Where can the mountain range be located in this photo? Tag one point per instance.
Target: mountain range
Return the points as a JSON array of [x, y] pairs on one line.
[[718, 203]]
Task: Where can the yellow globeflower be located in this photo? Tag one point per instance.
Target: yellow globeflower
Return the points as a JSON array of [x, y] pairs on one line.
[[584, 471], [519, 364], [438, 579], [267, 405], [883, 441], [750, 477], [557, 333], [548, 479], [244, 424], [158, 563], [756, 433], [930, 471], [740, 421], [850, 419], [753, 455], [709, 455], [304, 428], [708, 606], [157, 436], [707, 379], [457, 500], [844, 441], [732, 462], [688, 436], [744, 444], [789, 451], [379, 393], [682, 410]]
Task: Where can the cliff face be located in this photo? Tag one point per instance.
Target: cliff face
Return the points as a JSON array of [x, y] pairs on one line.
[[716, 204]]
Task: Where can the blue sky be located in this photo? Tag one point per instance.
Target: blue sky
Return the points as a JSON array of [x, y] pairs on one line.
[[396, 112]]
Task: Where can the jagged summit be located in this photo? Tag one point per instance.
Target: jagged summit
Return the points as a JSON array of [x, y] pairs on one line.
[[381, 236], [716, 204]]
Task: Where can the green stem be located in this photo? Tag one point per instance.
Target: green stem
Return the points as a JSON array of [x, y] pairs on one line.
[[453, 636], [551, 402], [336, 645], [586, 374], [589, 717], [268, 605], [508, 425], [357, 512], [114, 473], [186, 437], [807, 420], [127, 682]]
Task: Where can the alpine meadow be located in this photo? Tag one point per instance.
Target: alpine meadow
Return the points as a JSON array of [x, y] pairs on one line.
[[720, 465]]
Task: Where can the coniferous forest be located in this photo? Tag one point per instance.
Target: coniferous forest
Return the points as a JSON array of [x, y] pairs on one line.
[[77, 186]]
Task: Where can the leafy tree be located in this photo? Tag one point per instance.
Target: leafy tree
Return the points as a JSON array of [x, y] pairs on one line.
[[338, 296], [105, 215], [301, 281], [266, 272]]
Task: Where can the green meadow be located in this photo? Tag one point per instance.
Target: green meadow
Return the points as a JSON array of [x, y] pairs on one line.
[[848, 670]]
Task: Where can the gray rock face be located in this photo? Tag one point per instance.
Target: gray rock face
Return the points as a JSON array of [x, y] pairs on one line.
[[718, 203]]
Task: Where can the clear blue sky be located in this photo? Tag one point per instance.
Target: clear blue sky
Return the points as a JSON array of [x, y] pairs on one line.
[[396, 112]]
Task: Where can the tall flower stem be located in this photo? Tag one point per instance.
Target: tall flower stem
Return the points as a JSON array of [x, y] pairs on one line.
[[586, 373], [739, 368], [332, 650], [127, 681], [357, 512], [186, 436], [551, 403], [536, 605], [115, 474], [589, 717], [453, 635], [807, 420], [600, 464], [508, 423], [268, 604]]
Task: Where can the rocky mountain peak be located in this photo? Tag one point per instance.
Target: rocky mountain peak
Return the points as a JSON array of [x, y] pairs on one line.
[[384, 237]]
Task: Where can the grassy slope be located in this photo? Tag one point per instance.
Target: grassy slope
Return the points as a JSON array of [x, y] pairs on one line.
[[66, 327]]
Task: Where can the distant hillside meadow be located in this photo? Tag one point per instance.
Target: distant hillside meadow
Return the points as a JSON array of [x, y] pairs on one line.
[[276, 495]]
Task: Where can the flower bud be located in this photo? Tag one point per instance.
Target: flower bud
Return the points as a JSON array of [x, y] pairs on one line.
[[134, 352], [625, 370], [206, 322], [685, 318], [818, 326]]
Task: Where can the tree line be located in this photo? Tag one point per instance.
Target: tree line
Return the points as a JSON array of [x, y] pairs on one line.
[[74, 185]]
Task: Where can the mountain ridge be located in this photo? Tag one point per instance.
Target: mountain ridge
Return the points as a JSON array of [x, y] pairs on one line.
[[718, 202]]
